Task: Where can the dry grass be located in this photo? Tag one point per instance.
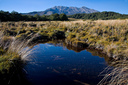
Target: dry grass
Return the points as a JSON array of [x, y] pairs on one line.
[[118, 75], [111, 36], [100, 33]]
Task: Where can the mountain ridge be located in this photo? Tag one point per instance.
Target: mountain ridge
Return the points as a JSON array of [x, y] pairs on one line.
[[63, 9]]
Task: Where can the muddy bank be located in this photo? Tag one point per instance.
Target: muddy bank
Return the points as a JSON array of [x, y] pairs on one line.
[[100, 48]]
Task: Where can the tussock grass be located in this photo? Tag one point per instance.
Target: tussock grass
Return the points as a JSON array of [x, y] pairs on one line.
[[13, 49], [118, 75], [110, 36], [101, 34], [14, 53]]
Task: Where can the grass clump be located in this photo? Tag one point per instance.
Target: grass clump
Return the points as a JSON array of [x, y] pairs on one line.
[[13, 49]]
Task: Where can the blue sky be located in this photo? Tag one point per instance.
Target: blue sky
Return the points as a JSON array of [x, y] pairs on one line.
[[22, 6]]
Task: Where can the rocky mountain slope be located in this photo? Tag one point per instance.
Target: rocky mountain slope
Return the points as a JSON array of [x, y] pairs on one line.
[[63, 9]]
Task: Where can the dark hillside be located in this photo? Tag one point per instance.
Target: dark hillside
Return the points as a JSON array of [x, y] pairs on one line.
[[99, 15]]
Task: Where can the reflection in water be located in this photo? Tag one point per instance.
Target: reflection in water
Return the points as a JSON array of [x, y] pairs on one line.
[[117, 71], [56, 63], [94, 52], [99, 53]]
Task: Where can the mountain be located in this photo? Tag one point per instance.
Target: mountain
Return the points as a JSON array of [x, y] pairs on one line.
[[63, 9]]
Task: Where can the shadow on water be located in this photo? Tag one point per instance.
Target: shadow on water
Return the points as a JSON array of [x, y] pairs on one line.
[[14, 75]]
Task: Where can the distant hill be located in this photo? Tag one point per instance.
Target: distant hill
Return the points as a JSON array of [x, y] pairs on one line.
[[100, 15], [63, 9]]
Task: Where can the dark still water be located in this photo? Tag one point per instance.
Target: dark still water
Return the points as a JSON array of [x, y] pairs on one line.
[[56, 65]]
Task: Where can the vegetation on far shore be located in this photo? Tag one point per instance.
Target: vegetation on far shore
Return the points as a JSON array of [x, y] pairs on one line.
[[109, 36]]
